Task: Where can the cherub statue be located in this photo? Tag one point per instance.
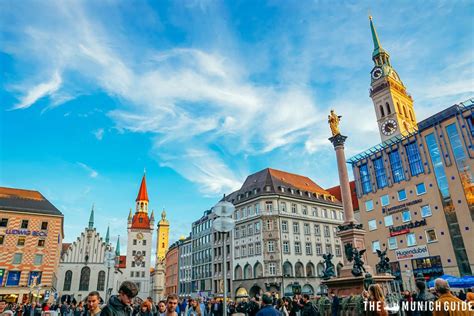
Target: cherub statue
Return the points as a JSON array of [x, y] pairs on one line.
[[329, 266], [353, 254], [383, 265], [333, 120]]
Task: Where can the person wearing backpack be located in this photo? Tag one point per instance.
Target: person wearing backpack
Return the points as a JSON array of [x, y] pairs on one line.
[[308, 308]]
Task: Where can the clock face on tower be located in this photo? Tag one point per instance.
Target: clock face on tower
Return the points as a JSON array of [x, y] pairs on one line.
[[388, 127], [376, 73], [140, 236]]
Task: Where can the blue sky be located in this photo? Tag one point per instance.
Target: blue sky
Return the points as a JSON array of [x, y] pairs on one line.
[[203, 93]]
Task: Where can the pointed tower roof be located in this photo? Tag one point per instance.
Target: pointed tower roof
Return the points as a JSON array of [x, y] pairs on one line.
[[117, 248], [377, 46], [142, 193], [91, 218], [107, 235], [152, 216], [130, 215]]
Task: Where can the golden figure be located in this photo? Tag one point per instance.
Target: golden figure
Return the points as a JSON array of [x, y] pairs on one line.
[[333, 120]]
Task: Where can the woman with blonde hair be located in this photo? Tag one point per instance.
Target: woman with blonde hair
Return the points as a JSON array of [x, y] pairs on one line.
[[194, 309], [376, 306]]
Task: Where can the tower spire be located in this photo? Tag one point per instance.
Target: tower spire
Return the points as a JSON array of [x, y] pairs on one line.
[[117, 248], [91, 218], [107, 235], [142, 193], [375, 38]]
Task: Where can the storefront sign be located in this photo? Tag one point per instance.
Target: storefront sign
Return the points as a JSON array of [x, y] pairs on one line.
[[401, 206], [412, 253], [405, 229], [25, 232]]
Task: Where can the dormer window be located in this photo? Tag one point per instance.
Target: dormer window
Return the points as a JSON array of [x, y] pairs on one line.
[[254, 191], [292, 191], [267, 188], [282, 189]]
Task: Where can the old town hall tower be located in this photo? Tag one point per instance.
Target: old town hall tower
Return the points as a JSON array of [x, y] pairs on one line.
[[140, 234], [393, 105]]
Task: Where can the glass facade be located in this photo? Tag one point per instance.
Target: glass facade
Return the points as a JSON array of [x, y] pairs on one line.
[[448, 206], [430, 267], [465, 173], [397, 167], [380, 175], [414, 159], [365, 179]]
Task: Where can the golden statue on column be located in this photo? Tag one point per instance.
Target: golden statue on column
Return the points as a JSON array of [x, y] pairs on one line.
[[333, 120]]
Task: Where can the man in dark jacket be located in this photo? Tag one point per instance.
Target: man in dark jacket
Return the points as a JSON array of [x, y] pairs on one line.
[[308, 308], [119, 305]]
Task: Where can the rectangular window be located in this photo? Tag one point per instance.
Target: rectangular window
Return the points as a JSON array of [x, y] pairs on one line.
[[304, 210], [337, 249], [369, 205], [41, 242], [21, 241], [307, 230], [397, 167], [380, 175], [375, 245], [237, 252], [372, 224], [44, 225], [251, 250], [411, 239], [4, 222], [328, 248], [294, 208], [269, 224], [309, 248], [17, 258], [296, 227], [24, 224], [284, 226], [13, 278], [438, 167], [134, 242], [257, 209], [388, 220], [272, 268], [392, 243], [38, 260], [2, 239], [327, 231], [431, 235], [250, 229], [243, 232], [237, 232], [286, 247], [385, 200], [283, 206], [133, 264], [425, 211], [297, 247], [319, 249], [402, 195], [365, 179], [258, 248], [317, 230], [257, 227], [315, 211], [144, 242], [420, 189], [143, 274], [414, 159], [243, 250], [269, 206], [406, 216], [271, 246]]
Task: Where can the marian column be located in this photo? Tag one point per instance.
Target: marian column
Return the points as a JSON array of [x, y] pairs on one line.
[[351, 232]]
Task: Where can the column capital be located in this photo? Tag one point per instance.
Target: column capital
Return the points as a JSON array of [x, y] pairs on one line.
[[338, 140]]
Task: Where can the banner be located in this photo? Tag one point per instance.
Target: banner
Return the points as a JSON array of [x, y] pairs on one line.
[[412, 252]]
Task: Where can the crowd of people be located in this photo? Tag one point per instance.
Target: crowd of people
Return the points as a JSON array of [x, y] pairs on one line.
[[268, 304]]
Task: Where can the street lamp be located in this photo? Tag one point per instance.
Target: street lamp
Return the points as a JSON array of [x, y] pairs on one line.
[[109, 262], [223, 224]]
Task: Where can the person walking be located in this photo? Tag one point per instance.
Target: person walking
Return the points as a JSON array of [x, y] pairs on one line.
[[334, 303], [120, 305], [281, 307], [195, 309], [267, 308], [377, 299], [308, 307]]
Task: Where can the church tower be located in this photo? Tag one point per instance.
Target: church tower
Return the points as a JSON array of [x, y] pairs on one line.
[[140, 234], [393, 105], [162, 235]]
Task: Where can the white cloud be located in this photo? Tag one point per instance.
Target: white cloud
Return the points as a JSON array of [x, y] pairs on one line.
[[99, 134], [92, 172], [39, 91]]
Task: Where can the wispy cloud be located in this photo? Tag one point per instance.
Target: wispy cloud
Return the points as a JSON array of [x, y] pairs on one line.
[[39, 91], [92, 173], [99, 134]]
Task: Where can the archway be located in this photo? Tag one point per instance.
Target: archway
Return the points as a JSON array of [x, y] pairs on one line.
[[255, 290], [258, 270], [248, 271], [238, 272], [288, 290], [241, 292], [287, 269], [299, 270], [307, 289], [310, 269]]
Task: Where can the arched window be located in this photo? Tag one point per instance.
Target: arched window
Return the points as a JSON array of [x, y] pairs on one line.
[[405, 111], [299, 270], [320, 267], [382, 112], [411, 115], [101, 281], [258, 270], [67, 280], [310, 269], [248, 271], [399, 109], [238, 273], [389, 111], [85, 277], [287, 269]]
